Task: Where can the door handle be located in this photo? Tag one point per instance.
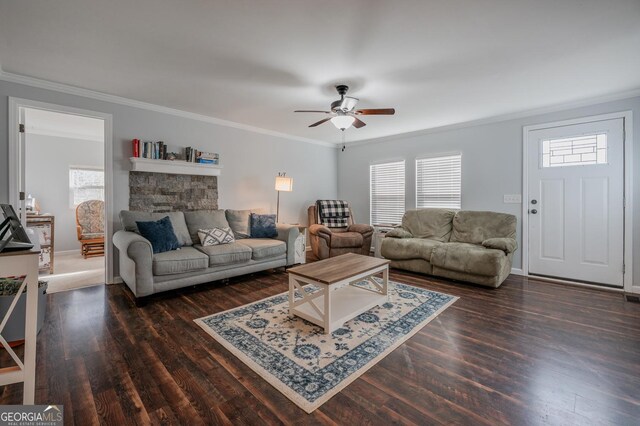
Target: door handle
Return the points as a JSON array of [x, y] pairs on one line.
[[534, 211]]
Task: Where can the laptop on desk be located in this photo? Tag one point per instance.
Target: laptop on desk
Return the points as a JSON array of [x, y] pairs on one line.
[[12, 234]]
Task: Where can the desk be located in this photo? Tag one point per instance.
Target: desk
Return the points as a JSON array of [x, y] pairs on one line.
[[18, 264]]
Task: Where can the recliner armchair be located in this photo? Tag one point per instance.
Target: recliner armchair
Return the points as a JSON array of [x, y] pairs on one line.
[[333, 241]]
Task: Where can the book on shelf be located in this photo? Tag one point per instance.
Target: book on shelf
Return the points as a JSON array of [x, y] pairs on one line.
[[136, 147], [150, 150]]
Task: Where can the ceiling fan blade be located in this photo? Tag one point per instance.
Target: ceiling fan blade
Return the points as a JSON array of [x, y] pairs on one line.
[[348, 103], [320, 122], [358, 123], [376, 111], [312, 110]]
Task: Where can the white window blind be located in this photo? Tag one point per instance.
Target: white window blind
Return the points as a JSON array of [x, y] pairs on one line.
[[438, 182], [386, 192]]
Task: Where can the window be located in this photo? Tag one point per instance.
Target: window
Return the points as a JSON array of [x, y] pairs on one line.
[[386, 192], [439, 181], [85, 184], [580, 151]]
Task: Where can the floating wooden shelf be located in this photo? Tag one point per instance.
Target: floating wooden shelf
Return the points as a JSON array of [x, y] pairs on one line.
[[176, 167]]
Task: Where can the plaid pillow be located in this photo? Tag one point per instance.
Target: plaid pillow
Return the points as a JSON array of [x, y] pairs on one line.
[[333, 213], [215, 236]]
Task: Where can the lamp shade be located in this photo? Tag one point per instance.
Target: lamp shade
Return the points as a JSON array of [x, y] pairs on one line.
[[343, 121], [284, 183]]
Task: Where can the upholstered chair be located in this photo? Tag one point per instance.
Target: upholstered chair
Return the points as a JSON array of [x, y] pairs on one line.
[[90, 227], [330, 242]]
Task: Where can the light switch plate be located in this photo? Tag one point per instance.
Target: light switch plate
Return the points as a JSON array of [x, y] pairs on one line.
[[512, 199]]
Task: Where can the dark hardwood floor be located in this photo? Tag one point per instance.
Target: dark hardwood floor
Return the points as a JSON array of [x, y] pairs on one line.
[[527, 353]]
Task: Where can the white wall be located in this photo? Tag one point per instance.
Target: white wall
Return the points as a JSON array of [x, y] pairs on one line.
[[251, 160], [47, 178], [491, 163]]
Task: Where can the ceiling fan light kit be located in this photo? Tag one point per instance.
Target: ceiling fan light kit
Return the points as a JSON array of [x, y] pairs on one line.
[[343, 122], [343, 111]]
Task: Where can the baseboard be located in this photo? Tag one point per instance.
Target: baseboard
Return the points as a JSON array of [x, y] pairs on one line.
[[116, 280], [517, 271], [66, 252]]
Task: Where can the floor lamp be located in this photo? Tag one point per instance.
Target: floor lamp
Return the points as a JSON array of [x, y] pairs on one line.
[[285, 184]]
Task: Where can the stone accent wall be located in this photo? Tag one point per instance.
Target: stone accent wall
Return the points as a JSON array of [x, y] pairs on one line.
[[161, 192]]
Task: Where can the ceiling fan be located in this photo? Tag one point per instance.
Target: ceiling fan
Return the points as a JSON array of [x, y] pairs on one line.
[[343, 114]]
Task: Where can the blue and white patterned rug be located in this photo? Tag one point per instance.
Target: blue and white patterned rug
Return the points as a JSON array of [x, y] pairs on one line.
[[307, 366]]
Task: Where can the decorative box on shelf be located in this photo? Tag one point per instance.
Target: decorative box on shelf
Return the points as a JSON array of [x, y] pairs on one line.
[[176, 167]]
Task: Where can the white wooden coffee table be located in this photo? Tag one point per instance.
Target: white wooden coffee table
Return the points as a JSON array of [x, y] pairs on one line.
[[338, 300]]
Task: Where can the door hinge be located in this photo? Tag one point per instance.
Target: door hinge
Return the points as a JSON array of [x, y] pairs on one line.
[[21, 195], [624, 268], [21, 128]]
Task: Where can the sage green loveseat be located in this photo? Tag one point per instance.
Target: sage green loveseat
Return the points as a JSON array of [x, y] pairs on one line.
[[473, 246]]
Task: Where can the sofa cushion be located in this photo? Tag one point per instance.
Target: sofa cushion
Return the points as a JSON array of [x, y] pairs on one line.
[[264, 247], [475, 227], [469, 258], [160, 234], [129, 219], [239, 221], [408, 248], [204, 219], [186, 259], [346, 239], [434, 224], [225, 254]]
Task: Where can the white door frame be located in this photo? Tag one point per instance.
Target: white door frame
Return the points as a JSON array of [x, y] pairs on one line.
[[14, 161], [628, 189]]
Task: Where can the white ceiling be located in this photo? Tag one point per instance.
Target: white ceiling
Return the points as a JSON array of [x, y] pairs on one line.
[[254, 62]]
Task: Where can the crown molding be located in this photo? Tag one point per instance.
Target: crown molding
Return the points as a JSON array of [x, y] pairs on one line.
[[503, 117], [86, 93]]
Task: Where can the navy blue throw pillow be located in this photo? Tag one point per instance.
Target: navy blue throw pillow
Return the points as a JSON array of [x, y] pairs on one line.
[[263, 226], [160, 234]]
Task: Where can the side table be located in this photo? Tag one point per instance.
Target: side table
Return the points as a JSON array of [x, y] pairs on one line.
[[301, 245]]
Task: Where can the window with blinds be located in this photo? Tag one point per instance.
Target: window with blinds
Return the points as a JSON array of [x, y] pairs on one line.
[[386, 193], [439, 181]]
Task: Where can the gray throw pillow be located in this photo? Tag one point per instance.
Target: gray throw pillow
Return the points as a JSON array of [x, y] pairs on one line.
[[129, 218]]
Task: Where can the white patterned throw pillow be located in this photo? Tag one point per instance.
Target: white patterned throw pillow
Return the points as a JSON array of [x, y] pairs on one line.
[[215, 236]]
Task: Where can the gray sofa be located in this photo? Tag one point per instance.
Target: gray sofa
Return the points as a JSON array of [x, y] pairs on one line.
[[146, 273], [468, 246]]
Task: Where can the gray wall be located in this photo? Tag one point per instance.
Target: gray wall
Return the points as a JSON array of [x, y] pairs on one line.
[[251, 160], [491, 163], [47, 179]]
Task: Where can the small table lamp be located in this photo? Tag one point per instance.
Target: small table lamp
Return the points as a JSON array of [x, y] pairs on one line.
[[285, 184]]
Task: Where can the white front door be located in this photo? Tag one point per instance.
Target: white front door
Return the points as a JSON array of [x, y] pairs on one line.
[[576, 201]]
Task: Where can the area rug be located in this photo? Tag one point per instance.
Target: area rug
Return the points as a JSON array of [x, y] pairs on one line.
[[307, 366]]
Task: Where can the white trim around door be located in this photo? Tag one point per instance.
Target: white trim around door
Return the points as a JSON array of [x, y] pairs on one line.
[[14, 161], [628, 189]]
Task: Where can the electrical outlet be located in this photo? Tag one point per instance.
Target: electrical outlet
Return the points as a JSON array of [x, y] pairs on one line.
[[512, 199]]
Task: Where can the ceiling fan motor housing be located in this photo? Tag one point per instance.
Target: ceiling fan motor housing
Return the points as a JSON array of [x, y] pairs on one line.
[[342, 89]]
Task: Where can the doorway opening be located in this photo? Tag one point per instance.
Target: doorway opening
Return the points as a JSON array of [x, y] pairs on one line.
[[60, 185]]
